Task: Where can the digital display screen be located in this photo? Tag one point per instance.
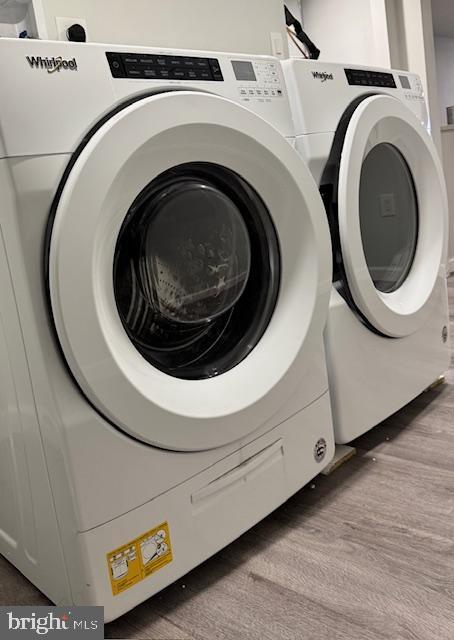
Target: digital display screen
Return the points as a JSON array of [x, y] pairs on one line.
[[405, 82], [244, 71]]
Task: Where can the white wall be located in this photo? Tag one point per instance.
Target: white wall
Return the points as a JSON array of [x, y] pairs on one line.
[[348, 31], [295, 7], [444, 56], [223, 25], [412, 49]]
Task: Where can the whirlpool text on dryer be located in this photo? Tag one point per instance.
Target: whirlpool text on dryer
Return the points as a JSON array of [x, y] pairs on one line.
[[322, 75]]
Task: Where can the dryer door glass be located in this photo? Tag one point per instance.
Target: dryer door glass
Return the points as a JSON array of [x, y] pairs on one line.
[[388, 211], [196, 273]]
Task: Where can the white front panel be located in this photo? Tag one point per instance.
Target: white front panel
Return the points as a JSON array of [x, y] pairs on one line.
[[320, 93], [383, 374], [211, 509], [53, 93]]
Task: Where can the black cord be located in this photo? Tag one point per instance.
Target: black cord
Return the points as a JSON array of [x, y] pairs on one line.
[[291, 21]]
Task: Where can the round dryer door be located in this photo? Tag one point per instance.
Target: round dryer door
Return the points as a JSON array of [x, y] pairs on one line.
[[188, 269], [392, 216]]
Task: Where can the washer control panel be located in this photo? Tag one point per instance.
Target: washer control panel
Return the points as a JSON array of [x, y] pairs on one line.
[[164, 67], [258, 79], [251, 79]]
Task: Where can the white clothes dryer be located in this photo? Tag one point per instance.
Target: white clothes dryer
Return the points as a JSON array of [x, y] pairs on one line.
[[364, 135], [167, 282]]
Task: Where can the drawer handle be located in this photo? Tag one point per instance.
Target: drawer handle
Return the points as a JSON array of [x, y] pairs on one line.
[[241, 472]]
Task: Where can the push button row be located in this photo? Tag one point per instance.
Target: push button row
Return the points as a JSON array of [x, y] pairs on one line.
[[370, 78], [260, 92], [146, 66]]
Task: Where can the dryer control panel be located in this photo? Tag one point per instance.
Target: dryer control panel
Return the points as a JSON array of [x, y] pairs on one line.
[[323, 91], [370, 78]]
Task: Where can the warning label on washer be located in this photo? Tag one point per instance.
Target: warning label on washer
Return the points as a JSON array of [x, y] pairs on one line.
[[138, 559]]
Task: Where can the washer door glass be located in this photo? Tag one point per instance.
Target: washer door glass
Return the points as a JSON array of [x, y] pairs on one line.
[[196, 272], [388, 211]]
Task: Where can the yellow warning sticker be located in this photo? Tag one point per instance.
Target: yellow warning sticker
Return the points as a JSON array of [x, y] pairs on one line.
[[138, 559]]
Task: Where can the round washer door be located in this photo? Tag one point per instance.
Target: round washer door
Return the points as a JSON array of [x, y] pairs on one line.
[[392, 215], [189, 270]]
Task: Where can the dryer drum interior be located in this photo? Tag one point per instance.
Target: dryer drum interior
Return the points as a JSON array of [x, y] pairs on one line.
[[388, 210]]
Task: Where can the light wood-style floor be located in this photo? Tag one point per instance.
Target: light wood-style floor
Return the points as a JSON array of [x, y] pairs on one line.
[[364, 554]]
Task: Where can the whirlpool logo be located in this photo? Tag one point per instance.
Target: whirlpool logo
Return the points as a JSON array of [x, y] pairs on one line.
[[52, 65], [30, 622], [322, 75]]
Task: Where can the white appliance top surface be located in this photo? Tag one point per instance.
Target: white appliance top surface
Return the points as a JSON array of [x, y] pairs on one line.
[[54, 92], [320, 92]]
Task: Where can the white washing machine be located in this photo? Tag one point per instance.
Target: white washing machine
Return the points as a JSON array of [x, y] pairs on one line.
[[363, 134], [166, 281]]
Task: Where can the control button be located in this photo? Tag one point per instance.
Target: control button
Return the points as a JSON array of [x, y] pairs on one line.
[[179, 74], [200, 63], [205, 75], [150, 73], [251, 92], [146, 59], [189, 63], [135, 73], [279, 92], [128, 59], [216, 69], [214, 64], [243, 92], [116, 65], [161, 62]]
